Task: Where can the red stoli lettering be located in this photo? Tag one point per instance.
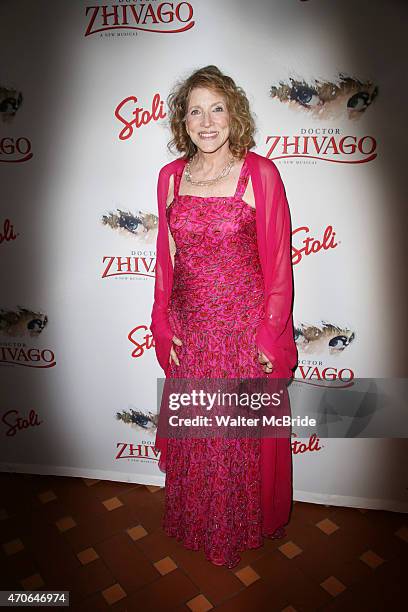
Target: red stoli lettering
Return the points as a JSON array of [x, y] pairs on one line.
[[302, 447], [141, 116], [147, 343], [313, 245], [8, 232], [16, 423]]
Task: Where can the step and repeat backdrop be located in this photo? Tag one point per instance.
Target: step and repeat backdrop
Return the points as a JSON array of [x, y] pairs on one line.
[[83, 134]]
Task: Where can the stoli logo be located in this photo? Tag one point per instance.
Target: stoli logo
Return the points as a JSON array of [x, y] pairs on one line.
[[145, 340], [335, 148], [303, 447], [7, 234], [162, 18], [311, 244], [15, 422], [141, 116]]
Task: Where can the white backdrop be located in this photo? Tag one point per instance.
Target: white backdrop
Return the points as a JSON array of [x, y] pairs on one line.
[[78, 217]]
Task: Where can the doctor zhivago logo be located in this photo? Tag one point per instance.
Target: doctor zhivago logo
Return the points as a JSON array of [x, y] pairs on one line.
[[141, 227], [12, 149], [149, 16], [23, 323], [344, 99]]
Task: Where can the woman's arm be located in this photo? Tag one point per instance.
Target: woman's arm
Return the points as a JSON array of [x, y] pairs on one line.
[[169, 200], [275, 335], [160, 325]]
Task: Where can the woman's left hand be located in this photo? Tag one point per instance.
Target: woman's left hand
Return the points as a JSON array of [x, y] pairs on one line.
[[267, 366]]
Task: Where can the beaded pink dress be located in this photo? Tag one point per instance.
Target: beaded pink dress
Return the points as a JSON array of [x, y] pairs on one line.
[[213, 493]]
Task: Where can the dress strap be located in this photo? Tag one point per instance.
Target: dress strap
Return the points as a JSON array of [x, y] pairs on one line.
[[242, 181]]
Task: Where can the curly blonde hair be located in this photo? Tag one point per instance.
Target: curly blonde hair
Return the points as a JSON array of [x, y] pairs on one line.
[[242, 124]]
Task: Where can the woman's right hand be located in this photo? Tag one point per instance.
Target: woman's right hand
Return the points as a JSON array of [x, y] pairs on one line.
[[173, 354]]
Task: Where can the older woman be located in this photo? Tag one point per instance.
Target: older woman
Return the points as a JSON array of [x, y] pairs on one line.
[[222, 309]]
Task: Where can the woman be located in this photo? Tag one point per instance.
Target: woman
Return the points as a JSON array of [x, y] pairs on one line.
[[222, 309]]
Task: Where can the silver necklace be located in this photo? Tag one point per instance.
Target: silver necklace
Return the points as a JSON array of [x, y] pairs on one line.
[[226, 170]]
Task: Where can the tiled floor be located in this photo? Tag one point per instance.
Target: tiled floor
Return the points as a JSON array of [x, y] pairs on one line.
[[103, 542]]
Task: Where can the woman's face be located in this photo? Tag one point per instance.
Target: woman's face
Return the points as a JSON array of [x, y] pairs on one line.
[[208, 120]]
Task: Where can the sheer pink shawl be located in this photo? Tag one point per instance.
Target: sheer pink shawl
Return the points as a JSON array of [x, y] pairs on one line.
[[273, 226]]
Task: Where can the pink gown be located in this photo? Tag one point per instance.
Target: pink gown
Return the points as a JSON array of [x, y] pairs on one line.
[[221, 495]]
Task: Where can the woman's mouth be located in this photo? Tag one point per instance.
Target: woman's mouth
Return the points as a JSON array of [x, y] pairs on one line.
[[208, 135]]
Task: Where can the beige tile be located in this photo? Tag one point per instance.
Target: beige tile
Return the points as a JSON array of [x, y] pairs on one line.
[[137, 532], [46, 496], [164, 566], [3, 514], [371, 559], [247, 575], [32, 582], [13, 547], [402, 533], [112, 503], [199, 604], [113, 594], [153, 488], [327, 526], [87, 555], [290, 549], [90, 481], [333, 586], [65, 523]]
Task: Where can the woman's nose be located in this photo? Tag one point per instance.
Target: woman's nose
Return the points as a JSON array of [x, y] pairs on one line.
[[206, 118]]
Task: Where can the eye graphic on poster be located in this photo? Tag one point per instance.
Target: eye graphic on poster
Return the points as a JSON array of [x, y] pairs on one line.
[[22, 322], [137, 419], [10, 101], [327, 99], [142, 225], [323, 337]]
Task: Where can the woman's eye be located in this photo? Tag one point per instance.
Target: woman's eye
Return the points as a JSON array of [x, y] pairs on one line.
[[219, 108], [194, 111]]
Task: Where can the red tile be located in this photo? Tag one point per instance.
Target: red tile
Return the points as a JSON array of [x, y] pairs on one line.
[[106, 488], [94, 603], [101, 527], [89, 580], [157, 545], [216, 582], [126, 562], [166, 593]]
